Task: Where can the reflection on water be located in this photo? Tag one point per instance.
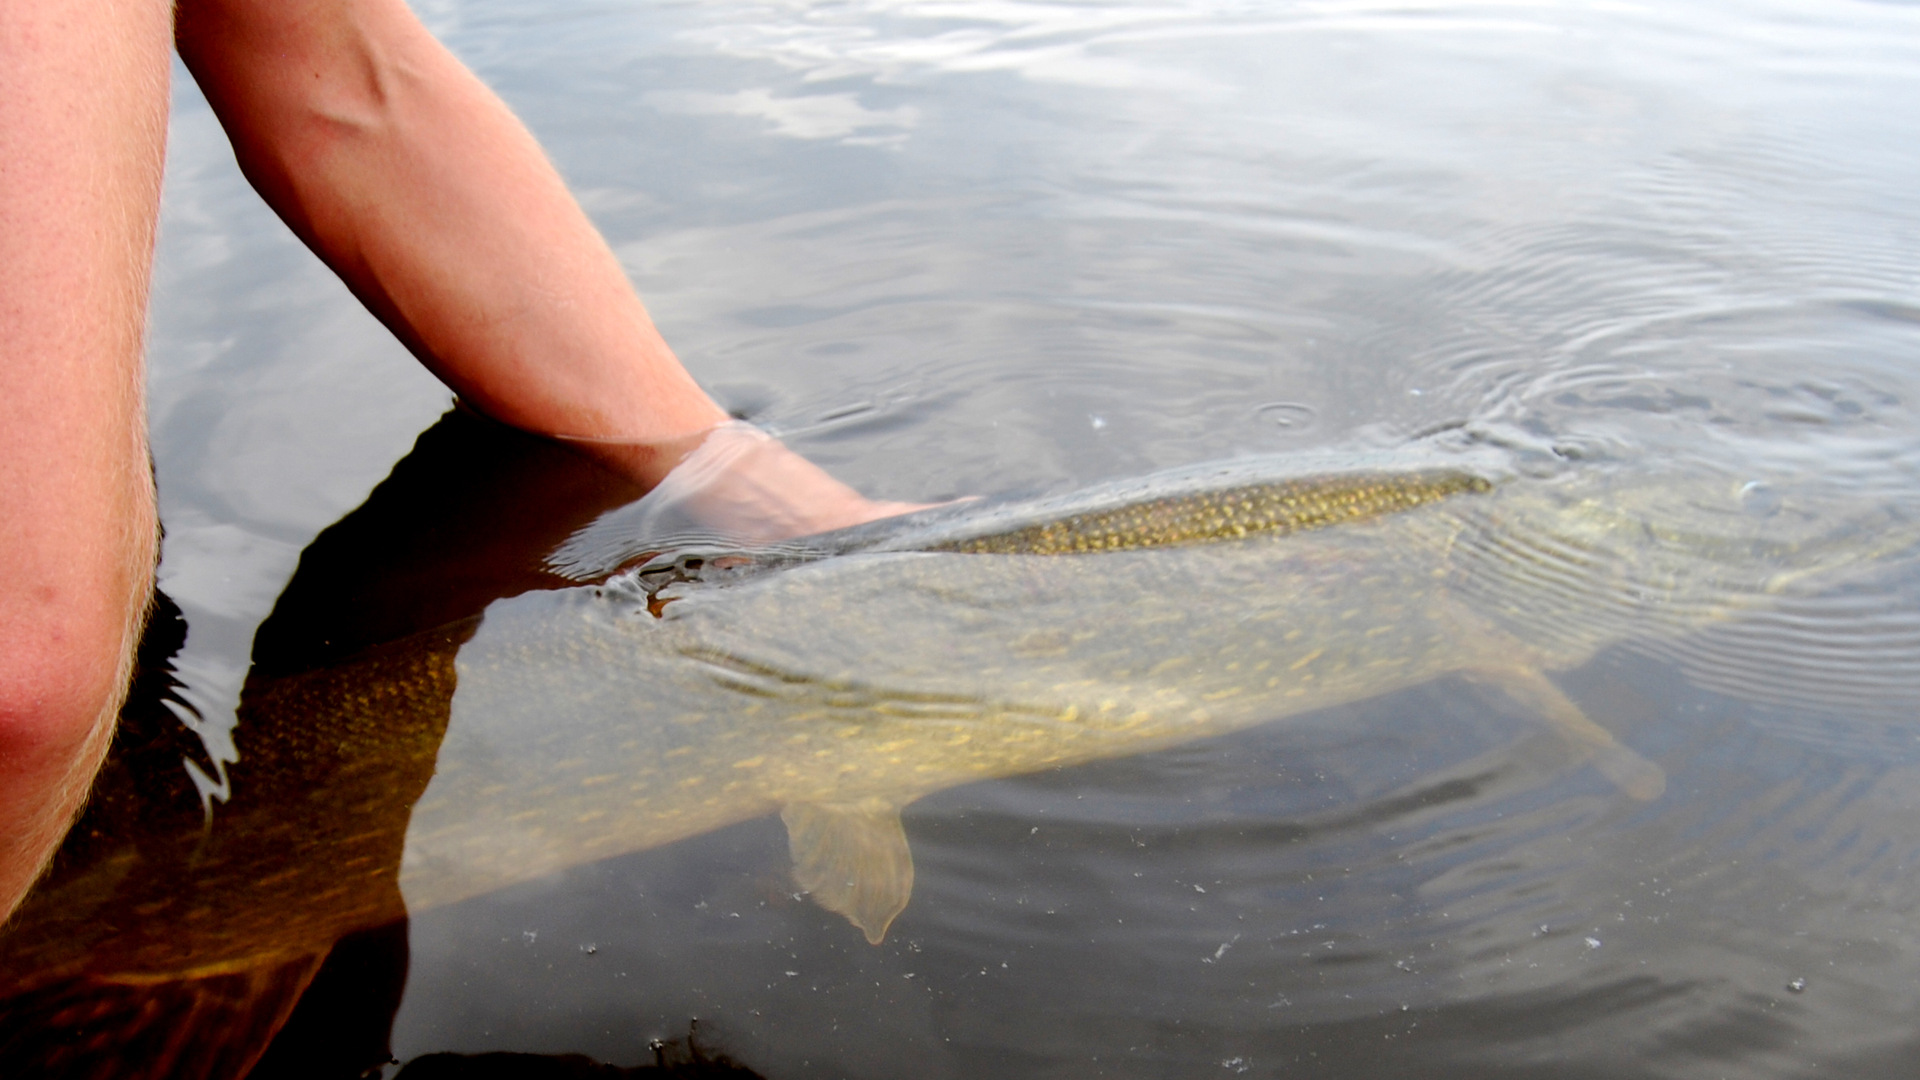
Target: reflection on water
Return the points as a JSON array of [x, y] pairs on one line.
[[577, 724], [197, 927], [1026, 248]]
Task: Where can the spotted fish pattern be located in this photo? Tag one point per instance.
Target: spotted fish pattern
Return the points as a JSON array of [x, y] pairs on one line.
[[1268, 508]]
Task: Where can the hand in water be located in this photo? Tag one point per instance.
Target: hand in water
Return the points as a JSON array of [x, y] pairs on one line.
[[736, 483]]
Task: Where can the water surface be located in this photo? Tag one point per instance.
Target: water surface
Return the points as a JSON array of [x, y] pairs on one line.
[[975, 248]]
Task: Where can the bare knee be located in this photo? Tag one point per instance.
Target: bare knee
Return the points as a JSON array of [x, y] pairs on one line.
[[64, 668]]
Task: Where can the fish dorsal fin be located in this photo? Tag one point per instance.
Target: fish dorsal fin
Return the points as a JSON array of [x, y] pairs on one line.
[[853, 858]]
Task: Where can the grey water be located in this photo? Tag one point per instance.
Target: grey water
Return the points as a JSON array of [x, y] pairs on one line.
[[950, 248]]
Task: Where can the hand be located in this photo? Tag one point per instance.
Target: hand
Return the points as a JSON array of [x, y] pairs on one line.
[[742, 485]]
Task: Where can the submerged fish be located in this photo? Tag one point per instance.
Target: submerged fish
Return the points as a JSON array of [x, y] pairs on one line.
[[591, 722], [1274, 507], [836, 681]]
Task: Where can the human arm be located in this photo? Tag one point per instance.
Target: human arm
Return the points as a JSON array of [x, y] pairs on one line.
[[425, 194]]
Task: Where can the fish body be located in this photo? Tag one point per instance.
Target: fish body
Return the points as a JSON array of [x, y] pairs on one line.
[[1259, 508], [835, 691], [836, 681]]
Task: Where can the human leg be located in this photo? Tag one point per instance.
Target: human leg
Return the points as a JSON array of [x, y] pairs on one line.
[[83, 112]]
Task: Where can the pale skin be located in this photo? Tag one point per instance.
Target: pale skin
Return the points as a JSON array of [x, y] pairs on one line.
[[414, 183]]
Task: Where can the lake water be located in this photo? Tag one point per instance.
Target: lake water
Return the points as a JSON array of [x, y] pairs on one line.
[[952, 248]]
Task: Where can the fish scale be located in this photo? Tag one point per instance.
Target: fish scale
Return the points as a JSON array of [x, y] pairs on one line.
[[578, 724], [1273, 507], [839, 689]]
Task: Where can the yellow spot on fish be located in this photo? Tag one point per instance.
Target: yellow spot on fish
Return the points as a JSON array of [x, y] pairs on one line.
[[751, 763], [1305, 660]]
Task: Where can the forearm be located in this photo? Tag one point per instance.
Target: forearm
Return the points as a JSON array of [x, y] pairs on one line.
[[83, 99], [416, 185]]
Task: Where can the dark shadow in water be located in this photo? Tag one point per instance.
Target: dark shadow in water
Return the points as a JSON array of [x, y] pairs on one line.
[[340, 1027], [684, 1059], [466, 518], [175, 940]]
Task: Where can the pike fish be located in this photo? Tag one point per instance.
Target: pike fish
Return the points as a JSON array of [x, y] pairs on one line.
[[836, 682]]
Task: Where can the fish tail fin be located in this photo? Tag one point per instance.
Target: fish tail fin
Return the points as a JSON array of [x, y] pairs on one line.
[[853, 859]]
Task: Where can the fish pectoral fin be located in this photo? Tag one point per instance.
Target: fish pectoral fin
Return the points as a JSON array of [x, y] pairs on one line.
[[853, 859], [1632, 774]]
